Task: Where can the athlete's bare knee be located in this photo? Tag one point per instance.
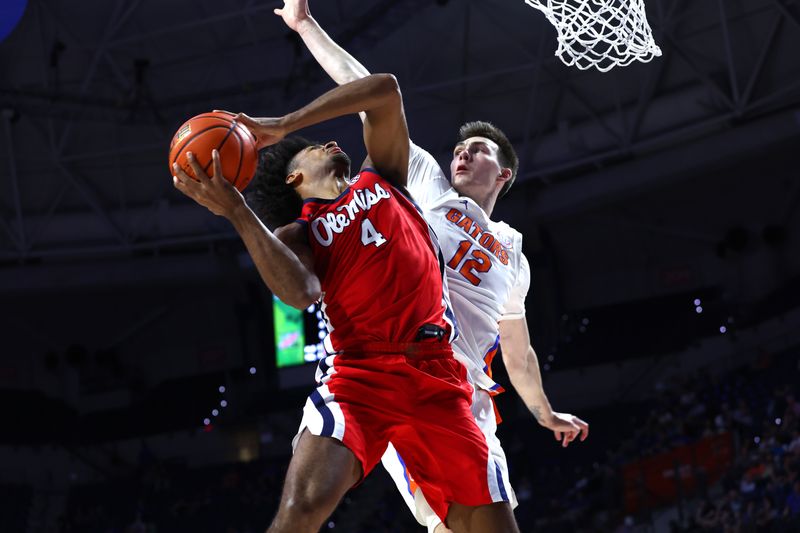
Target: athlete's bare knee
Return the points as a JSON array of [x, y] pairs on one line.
[[320, 473], [301, 509], [300, 514], [441, 528], [309, 502]]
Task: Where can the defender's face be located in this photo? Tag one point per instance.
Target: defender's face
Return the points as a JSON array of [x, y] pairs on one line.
[[475, 168]]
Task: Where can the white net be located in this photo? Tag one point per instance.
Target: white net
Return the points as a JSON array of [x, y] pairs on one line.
[[600, 33]]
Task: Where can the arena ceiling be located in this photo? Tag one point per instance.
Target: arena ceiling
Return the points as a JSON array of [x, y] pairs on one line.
[[92, 91]]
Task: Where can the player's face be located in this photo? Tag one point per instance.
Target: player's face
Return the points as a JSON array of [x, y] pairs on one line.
[[475, 169], [322, 162]]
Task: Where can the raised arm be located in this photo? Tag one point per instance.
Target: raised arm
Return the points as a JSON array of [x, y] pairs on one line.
[[425, 179], [385, 129], [335, 60], [284, 260], [285, 263]]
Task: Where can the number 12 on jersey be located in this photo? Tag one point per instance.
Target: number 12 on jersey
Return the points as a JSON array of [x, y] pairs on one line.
[[479, 262]]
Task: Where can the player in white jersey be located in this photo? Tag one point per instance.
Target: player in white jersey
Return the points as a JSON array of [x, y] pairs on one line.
[[487, 273]]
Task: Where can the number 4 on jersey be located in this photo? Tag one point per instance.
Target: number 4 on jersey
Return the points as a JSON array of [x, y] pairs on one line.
[[481, 262], [369, 235]]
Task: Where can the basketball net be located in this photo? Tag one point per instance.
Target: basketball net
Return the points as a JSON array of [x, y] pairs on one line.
[[600, 33]]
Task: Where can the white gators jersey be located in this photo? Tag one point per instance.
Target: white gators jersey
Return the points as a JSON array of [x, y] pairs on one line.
[[487, 274]]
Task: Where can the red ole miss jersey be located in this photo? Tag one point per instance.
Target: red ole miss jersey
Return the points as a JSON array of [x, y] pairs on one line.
[[379, 269]]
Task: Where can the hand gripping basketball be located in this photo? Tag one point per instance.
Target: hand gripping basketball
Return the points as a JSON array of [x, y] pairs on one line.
[[218, 130], [266, 130], [215, 193]]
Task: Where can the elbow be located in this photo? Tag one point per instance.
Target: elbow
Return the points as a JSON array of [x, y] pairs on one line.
[[351, 72], [310, 295], [304, 300], [515, 365], [301, 298], [387, 86]]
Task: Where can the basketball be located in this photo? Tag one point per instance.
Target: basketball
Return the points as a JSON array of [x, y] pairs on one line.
[[203, 133]]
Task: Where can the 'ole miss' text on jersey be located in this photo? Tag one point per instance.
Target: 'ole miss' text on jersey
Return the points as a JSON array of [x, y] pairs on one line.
[[378, 265]]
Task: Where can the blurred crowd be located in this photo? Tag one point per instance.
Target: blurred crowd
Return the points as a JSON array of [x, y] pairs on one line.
[[761, 490], [758, 491]]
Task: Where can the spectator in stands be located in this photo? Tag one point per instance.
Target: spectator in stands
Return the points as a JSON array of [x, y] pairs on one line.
[[791, 511], [748, 518], [794, 445], [706, 516], [766, 514]]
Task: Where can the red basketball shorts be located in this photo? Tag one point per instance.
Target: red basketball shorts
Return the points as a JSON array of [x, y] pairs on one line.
[[417, 396]]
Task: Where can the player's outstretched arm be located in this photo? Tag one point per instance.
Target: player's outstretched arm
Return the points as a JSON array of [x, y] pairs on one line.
[[344, 68], [385, 129], [335, 60], [285, 264], [522, 365], [425, 179]]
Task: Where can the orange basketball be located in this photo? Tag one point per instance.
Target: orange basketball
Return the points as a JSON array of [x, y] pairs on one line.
[[203, 133]]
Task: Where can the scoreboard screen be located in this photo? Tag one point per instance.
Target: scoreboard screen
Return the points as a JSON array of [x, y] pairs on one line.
[[298, 334]]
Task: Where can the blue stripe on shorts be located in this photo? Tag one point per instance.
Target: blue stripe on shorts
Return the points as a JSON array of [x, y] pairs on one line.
[[327, 417], [405, 472], [500, 482], [323, 367]]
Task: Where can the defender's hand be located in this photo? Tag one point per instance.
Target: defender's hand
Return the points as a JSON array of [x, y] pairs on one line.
[[214, 193], [566, 427], [294, 13]]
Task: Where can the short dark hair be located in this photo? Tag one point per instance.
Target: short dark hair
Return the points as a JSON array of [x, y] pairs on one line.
[[274, 201], [506, 154]]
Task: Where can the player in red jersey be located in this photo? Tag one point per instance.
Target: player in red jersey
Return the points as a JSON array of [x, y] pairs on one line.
[[361, 247]]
